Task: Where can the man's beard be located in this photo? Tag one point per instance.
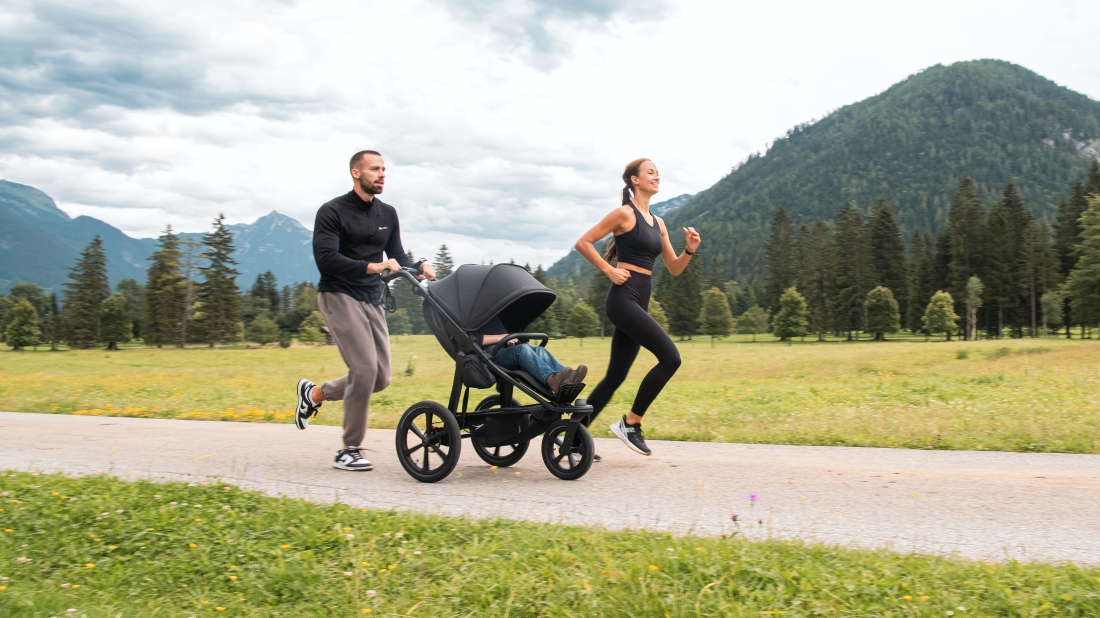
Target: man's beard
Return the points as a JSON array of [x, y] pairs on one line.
[[369, 188]]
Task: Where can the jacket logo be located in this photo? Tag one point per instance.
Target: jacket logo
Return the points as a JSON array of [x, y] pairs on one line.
[[383, 228]]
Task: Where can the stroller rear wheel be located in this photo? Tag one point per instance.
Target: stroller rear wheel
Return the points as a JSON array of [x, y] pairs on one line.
[[572, 461], [502, 455], [428, 441]]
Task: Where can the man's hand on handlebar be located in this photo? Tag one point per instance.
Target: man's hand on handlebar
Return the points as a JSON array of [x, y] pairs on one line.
[[428, 270], [376, 268]]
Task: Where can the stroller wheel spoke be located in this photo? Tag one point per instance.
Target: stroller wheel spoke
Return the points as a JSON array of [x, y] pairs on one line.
[[424, 464], [414, 449], [572, 464], [419, 434], [441, 454]]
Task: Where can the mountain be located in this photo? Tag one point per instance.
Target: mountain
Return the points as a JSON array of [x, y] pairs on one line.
[[40, 243], [910, 144], [273, 242], [573, 265]]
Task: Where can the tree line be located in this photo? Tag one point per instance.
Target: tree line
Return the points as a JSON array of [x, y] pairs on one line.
[[995, 270]]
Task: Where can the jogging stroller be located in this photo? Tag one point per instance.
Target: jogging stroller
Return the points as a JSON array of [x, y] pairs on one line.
[[429, 435]]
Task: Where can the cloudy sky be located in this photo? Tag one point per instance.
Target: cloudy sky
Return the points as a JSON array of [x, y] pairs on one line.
[[505, 123]]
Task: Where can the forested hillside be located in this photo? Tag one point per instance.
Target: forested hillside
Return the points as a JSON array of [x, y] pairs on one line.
[[909, 145]]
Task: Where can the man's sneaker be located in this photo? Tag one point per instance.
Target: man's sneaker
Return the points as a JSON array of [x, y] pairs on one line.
[[306, 408], [631, 435], [349, 459], [596, 457]]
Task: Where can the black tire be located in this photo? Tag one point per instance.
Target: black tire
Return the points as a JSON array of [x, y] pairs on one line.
[[421, 439], [503, 455], [577, 457]]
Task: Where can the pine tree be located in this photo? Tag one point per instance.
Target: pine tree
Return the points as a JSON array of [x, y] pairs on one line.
[[54, 326], [1092, 185], [753, 322], [1083, 283], [714, 276], [414, 305], [888, 253], [965, 234], [1067, 234], [780, 255], [164, 293], [881, 314], [540, 275], [7, 304], [658, 314], [662, 287], [189, 267], [582, 321], [84, 295], [218, 293], [921, 273], [940, 316], [1008, 218], [22, 330], [135, 299], [816, 277], [853, 270], [114, 321], [974, 291], [266, 290], [443, 263], [1038, 268], [686, 301], [791, 319], [716, 318]]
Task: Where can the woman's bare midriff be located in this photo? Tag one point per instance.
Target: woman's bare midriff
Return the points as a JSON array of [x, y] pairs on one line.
[[637, 269]]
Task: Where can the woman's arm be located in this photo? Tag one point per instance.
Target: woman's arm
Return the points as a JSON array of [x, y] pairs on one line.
[[677, 263], [491, 339], [586, 246]]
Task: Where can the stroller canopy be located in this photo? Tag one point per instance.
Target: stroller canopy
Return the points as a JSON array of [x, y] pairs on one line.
[[475, 293]]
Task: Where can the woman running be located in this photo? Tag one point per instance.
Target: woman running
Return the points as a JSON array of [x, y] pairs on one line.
[[639, 237]]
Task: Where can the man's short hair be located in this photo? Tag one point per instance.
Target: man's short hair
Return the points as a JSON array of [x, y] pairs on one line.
[[357, 157]]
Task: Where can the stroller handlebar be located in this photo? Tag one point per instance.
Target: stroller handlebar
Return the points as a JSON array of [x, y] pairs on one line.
[[406, 272]]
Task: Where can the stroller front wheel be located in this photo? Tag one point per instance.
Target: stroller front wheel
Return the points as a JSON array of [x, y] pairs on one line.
[[428, 441], [567, 461]]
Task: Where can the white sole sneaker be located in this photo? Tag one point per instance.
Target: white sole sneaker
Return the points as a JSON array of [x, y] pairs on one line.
[[618, 429], [359, 468], [302, 414]]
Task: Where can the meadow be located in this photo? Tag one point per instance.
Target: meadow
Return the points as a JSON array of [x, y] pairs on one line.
[[1014, 395], [100, 546]]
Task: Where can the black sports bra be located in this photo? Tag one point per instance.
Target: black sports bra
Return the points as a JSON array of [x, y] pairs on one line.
[[641, 245]]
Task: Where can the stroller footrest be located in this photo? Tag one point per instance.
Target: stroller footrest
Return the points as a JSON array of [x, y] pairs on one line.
[[568, 392]]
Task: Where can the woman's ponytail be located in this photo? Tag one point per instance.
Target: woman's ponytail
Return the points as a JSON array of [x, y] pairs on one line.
[[632, 169]]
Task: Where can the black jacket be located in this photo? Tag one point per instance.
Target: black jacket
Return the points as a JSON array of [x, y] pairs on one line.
[[348, 234]]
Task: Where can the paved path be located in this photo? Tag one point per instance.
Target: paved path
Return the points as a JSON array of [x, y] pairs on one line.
[[993, 506]]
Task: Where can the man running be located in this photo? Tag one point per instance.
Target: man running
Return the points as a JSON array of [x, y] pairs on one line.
[[349, 236]]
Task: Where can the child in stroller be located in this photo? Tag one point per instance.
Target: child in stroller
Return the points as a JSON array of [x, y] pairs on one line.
[[467, 311], [535, 360]]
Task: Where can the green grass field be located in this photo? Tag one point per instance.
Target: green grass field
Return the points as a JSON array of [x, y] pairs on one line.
[[1014, 395], [100, 546]]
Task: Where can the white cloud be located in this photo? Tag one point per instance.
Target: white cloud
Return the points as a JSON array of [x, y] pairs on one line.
[[505, 123]]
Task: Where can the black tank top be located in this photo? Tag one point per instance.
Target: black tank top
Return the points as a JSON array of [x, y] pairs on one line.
[[641, 245]]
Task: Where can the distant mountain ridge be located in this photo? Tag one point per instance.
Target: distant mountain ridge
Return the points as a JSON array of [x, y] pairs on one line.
[[910, 145], [39, 243]]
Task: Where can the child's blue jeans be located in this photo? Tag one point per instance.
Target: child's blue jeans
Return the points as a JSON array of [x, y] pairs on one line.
[[535, 360]]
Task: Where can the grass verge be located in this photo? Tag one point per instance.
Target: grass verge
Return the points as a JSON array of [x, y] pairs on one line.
[[106, 547], [1011, 395]]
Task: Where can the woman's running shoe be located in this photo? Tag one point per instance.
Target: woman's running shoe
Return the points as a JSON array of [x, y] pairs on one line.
[[349, 459], [631, 435], [306, 408]]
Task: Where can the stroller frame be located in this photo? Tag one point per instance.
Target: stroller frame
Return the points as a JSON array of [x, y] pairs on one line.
[[498, 420]]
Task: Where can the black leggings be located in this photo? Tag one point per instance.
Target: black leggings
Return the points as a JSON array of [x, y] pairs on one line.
[[627, 308]]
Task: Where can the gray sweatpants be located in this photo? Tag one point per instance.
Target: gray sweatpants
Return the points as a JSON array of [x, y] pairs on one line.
[[360, 332]]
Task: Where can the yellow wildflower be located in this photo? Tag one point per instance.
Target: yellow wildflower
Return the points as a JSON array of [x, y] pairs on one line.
[[653, 567], [192, 545], [284, 547], [232, 578], [89, 566]]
